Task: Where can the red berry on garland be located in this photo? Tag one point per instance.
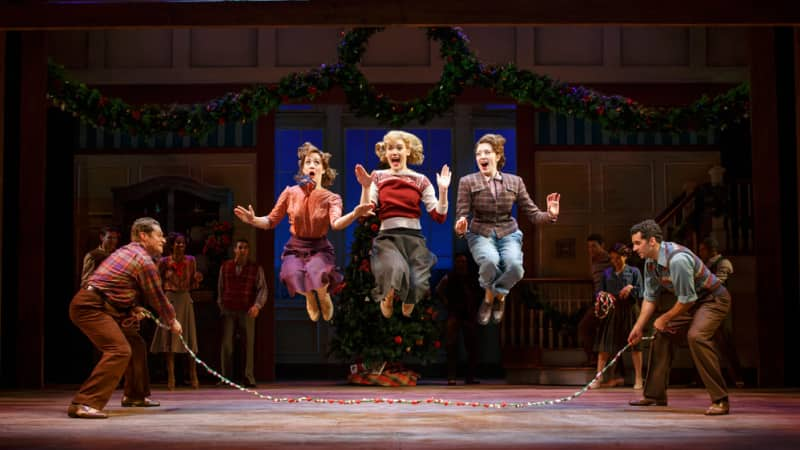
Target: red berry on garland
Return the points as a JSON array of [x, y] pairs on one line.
[[373, 227], [398, 340], [136, 114], [221, 121], [437, 344]]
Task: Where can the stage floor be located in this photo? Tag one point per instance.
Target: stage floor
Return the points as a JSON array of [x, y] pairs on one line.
[[224, 418]]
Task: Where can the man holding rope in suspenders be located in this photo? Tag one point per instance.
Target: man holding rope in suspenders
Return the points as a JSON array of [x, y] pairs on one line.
[[703, 302]]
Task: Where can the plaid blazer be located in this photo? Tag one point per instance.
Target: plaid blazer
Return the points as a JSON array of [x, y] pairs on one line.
[[487, 213]]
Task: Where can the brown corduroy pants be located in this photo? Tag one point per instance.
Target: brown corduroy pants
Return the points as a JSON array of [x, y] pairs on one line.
[[116, 334]]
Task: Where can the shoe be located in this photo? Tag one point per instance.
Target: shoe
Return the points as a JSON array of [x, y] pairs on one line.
[[646, 402], [484, 313], [326, 305], [614, 383], [408, 308], [498, 308], [312, 307], [144, 403], [451, 382], [387, 306], [85, 412], [720, 408]]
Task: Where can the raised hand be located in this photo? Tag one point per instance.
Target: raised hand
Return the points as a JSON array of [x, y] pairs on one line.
[[247, 216], [364, 209], [363, 177], [443, 177], [461, 226], [553, 206]]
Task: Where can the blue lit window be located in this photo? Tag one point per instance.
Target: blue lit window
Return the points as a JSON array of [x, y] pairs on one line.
[[437, 144]]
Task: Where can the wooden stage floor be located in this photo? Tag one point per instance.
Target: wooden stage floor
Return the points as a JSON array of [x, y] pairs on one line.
[[224, 418]]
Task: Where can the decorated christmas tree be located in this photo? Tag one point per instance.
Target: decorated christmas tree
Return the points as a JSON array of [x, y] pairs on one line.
[[364, 338]]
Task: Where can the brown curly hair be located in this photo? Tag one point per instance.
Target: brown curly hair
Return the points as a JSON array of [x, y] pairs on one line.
[[328, 173], [498, 145], [413, 143]]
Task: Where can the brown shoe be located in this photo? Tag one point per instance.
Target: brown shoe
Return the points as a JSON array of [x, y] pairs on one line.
[[387, 306], [646, 402], [720, 408], [144, 403], [408, 308], [85, 412], [484, 313], [498, 307]]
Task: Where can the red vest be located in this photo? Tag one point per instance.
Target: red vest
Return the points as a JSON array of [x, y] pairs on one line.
[[238, 291]]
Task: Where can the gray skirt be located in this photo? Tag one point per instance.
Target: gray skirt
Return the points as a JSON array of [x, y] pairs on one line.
[[164, 341], [401, 261]]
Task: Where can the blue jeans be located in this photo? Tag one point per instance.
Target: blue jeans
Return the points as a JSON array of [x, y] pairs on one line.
[[499, 260]]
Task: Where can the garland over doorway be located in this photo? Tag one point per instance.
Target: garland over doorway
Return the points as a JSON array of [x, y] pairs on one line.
[[461, 69]]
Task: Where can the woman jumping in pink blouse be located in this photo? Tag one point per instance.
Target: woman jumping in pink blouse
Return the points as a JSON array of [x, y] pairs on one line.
[[308, 264]]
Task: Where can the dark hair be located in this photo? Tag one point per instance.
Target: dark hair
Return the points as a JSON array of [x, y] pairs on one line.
[[109, 229], [143, 225], [711, 243], [595, 237], [621, 249], [498, 144], [172, 237], [649, 228], [328, 173]]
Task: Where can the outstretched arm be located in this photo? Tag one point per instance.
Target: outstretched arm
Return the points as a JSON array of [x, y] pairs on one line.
[[360, 210], [248, 216]]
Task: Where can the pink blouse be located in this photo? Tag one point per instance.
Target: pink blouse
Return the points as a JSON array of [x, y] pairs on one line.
[[311, 215]]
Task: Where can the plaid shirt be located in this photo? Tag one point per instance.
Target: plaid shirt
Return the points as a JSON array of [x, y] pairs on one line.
[[128, 274], [488, 213]]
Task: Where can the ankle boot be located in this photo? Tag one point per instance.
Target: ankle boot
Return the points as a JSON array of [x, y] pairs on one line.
[[193, 373], [170, 371]]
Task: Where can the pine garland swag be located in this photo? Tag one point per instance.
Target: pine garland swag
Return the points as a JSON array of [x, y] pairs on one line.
[[461, 68]]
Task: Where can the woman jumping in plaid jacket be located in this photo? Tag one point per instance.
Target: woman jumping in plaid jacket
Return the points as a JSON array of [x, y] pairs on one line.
[[483, 209]]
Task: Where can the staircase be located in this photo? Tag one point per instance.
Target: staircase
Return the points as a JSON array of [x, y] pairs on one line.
[[539, 333]]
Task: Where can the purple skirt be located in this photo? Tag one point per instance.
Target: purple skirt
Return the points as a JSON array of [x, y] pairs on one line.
[[308, 264]]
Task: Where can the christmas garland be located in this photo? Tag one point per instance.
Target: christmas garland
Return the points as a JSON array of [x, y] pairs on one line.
[[461, 69]]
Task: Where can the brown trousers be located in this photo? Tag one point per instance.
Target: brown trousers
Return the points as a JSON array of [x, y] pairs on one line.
[[698, 326], [115, 333]]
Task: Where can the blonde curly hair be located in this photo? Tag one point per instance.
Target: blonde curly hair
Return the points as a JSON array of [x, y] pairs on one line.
[[413, 143], [498, 145], [328, 174]]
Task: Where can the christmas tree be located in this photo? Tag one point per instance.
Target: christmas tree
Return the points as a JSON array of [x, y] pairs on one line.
[[362, 333]]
